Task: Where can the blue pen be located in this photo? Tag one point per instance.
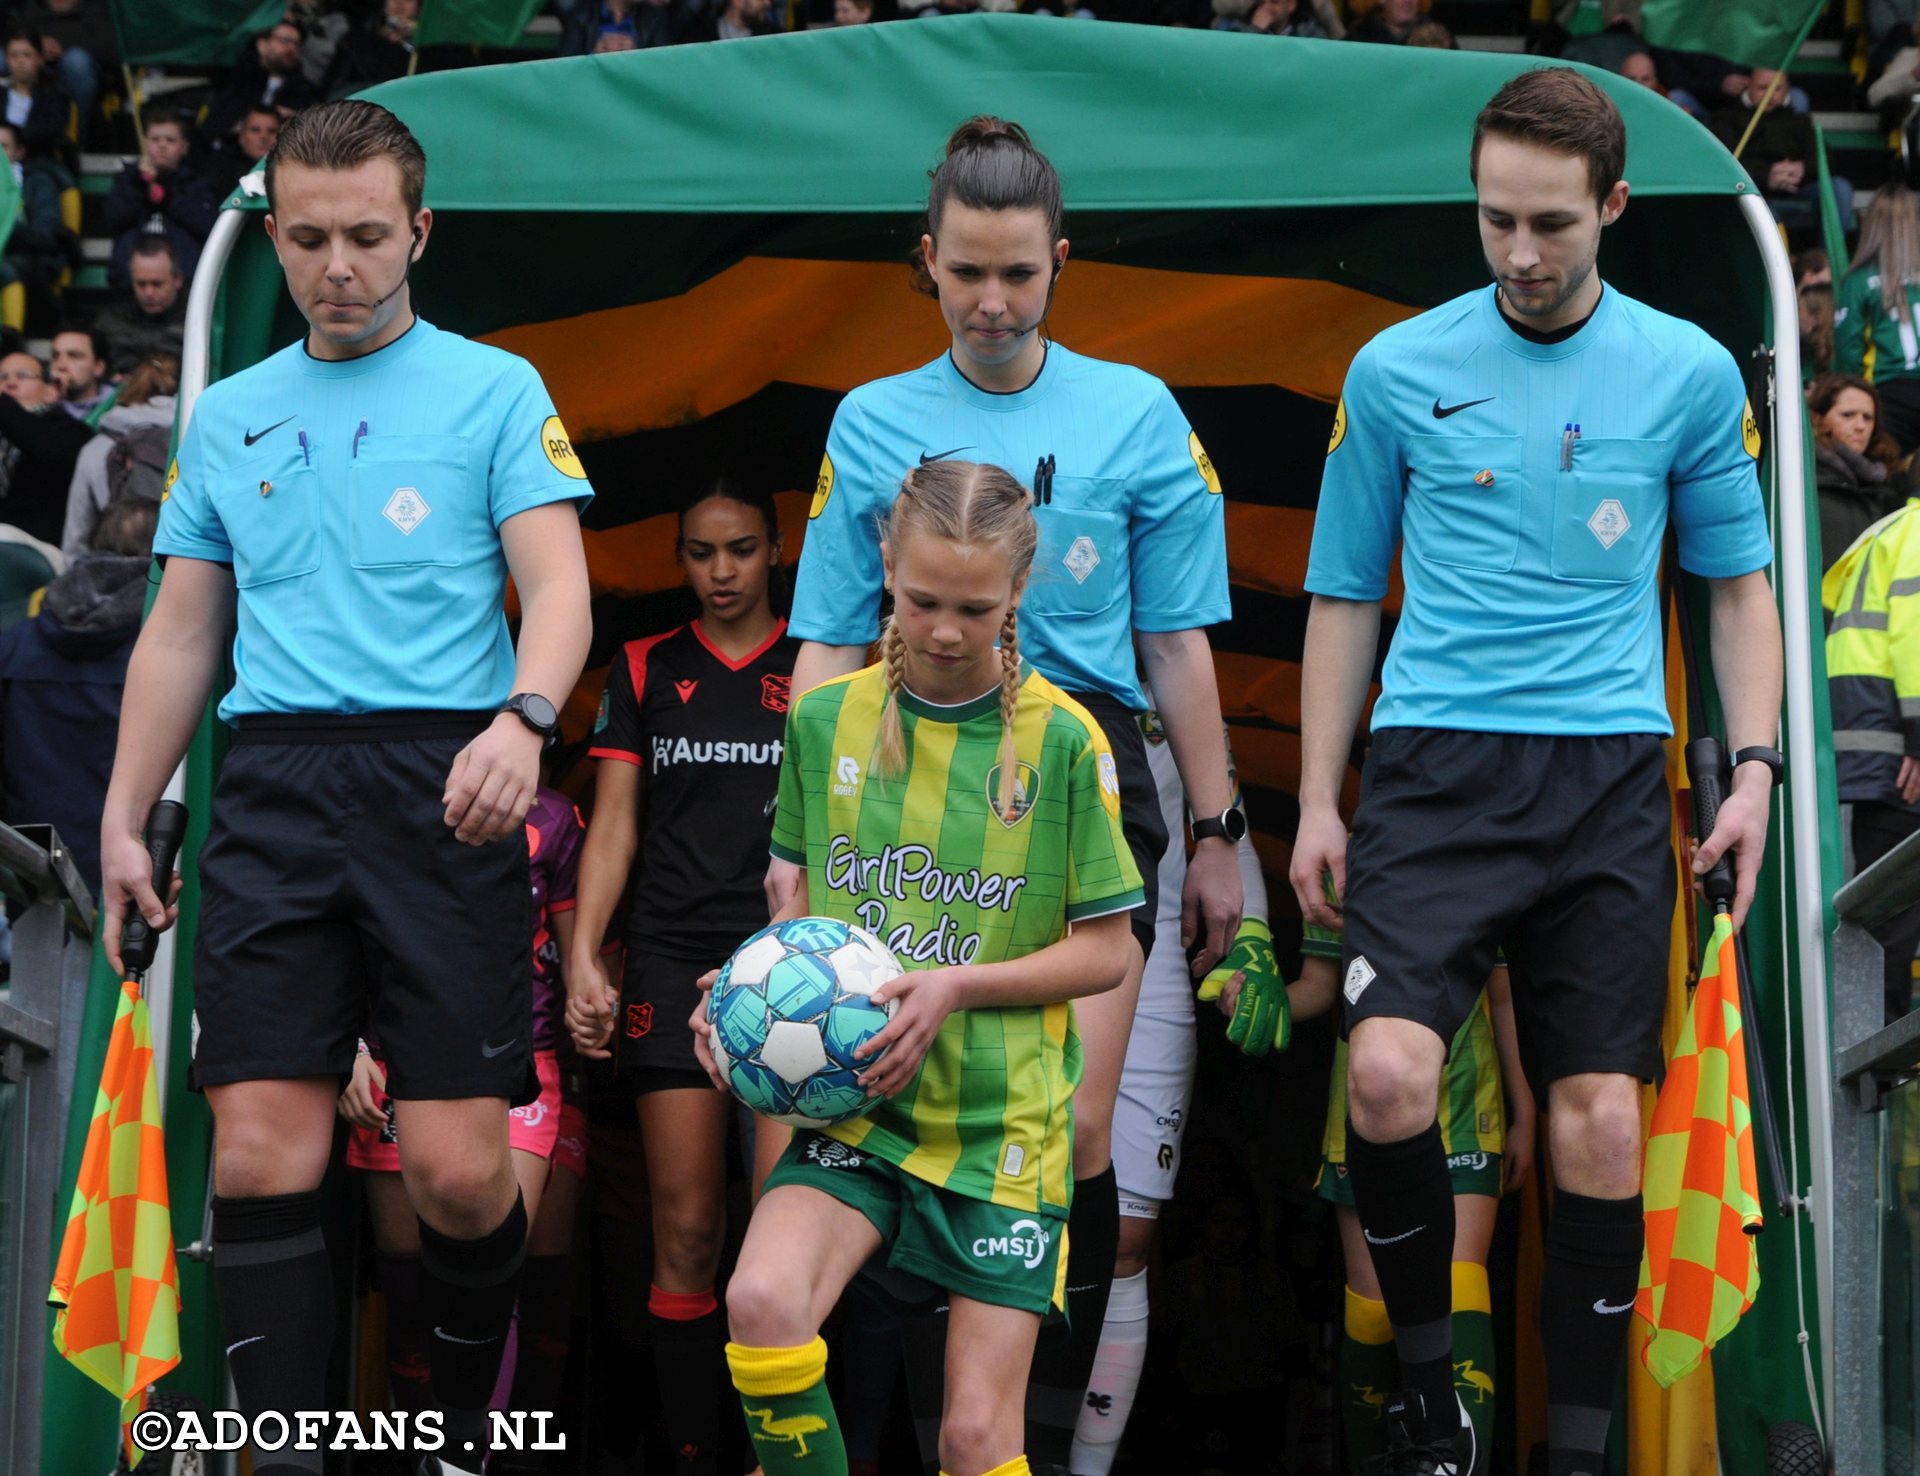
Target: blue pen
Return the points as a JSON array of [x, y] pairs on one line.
[[306, 448], [356, 439], [1567, 438]]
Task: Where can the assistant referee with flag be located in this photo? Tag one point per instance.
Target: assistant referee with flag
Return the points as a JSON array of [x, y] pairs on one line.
[[1528, 443], [354, 505]]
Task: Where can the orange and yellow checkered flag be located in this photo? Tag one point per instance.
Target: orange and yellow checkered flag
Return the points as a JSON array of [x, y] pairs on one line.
[[115, 1287], [1700, 1271]]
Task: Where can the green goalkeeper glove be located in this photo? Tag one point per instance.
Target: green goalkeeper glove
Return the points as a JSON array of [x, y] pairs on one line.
[[1262, 1019]]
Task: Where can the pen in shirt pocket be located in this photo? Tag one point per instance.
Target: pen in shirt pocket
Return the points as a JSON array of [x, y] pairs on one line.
[[1567, 438]]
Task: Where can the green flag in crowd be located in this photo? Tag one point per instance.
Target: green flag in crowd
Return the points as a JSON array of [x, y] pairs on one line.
[[1754, 33], [9, 203], [190, 32], [473, 22]]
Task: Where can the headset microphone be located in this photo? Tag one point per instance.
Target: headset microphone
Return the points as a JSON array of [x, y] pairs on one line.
[[405, 272]]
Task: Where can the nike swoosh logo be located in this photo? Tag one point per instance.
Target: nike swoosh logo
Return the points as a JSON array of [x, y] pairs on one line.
[[926, 460], [1441, 413], [491, 1051], [1373, 1239], [445, 1336], [1600, 1306], [256, 1338], [253, 436]]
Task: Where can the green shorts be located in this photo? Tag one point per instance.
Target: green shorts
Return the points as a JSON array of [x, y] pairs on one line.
[[1471, 1173], [1008, 1257]]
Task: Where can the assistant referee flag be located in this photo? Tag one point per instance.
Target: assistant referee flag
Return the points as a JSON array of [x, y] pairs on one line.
[[115, 1289], [1700, 1271]]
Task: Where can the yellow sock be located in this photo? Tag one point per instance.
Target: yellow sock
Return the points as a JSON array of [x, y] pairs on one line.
[[1369, 1373], [1366, 1317], [1470, 1290], [1015, 1467], [761, 1371], [783, 1394], [1473, 1365]]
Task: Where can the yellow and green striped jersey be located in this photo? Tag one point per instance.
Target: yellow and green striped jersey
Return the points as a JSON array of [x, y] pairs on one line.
[[1472, 1108], [924, 860]]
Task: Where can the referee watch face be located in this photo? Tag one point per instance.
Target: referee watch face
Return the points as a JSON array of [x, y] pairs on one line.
[[347, 241]]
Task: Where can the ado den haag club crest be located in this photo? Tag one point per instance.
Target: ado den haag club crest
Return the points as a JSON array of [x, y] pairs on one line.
[[1026, 784]]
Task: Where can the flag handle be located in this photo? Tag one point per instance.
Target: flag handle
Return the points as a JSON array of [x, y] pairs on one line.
[[166, 829], [1707, 783]]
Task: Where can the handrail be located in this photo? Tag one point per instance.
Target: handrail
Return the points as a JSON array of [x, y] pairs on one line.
[[34, 865], [1887, 887], [1893, 1049], [40, 1021], [26, 861]]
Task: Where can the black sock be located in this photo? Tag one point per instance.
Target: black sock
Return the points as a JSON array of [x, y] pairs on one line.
[[1063, 1358], [467, 1290], [408, 1379], [546, 1324], [1405, 1200], [276, 1302], [1587, 1286], [689, 1363]]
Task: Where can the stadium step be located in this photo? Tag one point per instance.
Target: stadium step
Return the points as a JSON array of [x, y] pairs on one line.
[[1848, 122], [1491, 43]]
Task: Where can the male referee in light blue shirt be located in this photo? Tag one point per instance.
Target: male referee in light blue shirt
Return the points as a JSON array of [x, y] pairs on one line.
[[350, 510], [1529, 444]]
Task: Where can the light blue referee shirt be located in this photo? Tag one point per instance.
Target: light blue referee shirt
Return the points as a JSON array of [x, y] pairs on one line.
[[1532, 485], [1132, 532], [360, 503]]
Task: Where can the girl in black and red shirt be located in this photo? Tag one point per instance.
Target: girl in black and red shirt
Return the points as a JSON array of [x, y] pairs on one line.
[[688, 743]]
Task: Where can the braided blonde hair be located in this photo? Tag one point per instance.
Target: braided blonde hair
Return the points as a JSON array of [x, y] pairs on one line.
[[970, 503]]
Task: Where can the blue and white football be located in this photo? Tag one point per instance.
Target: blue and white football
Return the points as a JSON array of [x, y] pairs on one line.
[[788, 1012]]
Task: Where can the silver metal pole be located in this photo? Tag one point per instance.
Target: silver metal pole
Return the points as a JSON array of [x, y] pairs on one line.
[[196, 366], [1790, 564]]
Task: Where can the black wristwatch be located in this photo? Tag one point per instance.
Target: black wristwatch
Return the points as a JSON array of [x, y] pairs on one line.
[[537, 713], [1760, 755], [1229, 825]]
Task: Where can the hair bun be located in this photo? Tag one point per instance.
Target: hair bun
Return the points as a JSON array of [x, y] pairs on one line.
[[985, 129]]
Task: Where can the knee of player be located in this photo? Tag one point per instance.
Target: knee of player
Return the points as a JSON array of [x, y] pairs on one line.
[[975, 1434], [1136, 1244], [1599, 1129], [1391, 1089], [767, 1307], [687, 1243], [251, 1158], [457, 1197]]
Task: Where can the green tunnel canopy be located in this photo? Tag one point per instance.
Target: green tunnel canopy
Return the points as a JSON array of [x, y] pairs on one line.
[[1135, 117]]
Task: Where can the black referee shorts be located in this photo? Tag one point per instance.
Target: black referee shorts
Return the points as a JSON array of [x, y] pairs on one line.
[[1141, 820], [1560, 847], [335, 897]]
